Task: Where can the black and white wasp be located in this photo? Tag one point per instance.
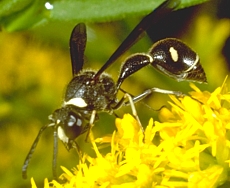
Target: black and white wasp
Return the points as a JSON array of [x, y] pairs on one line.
[[91, 92]]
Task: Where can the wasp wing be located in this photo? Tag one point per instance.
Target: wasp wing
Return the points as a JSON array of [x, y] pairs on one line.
[[153, 18], [77, 45]]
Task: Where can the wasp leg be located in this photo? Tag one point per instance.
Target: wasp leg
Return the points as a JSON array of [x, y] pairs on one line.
[[91, 124], [90, 133], [32, 149], [131, 103], [154, 90], [55, 152]]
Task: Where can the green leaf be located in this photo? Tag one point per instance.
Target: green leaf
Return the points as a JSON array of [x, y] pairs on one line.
[[104, 10], [29, 15], [21, 15], [10, 7]]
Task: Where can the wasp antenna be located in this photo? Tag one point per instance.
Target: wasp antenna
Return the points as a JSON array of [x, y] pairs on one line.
[[55, 151], [32, 149], [148, 21]]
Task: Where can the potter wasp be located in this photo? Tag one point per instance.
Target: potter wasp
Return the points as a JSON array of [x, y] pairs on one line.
[[91, 92]]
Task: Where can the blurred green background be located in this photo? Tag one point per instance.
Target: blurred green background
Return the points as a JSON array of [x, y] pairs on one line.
[[35, 69]]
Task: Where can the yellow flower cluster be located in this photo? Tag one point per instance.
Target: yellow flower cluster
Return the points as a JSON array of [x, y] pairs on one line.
[[191, 148]]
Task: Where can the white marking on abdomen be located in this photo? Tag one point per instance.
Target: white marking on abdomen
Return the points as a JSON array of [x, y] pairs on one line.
[[174, 54]]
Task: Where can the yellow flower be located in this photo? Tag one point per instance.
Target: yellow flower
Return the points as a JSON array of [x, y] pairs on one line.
[[190, 147]]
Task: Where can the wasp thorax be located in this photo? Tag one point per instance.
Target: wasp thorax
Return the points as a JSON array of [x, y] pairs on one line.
[[94, 96]]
